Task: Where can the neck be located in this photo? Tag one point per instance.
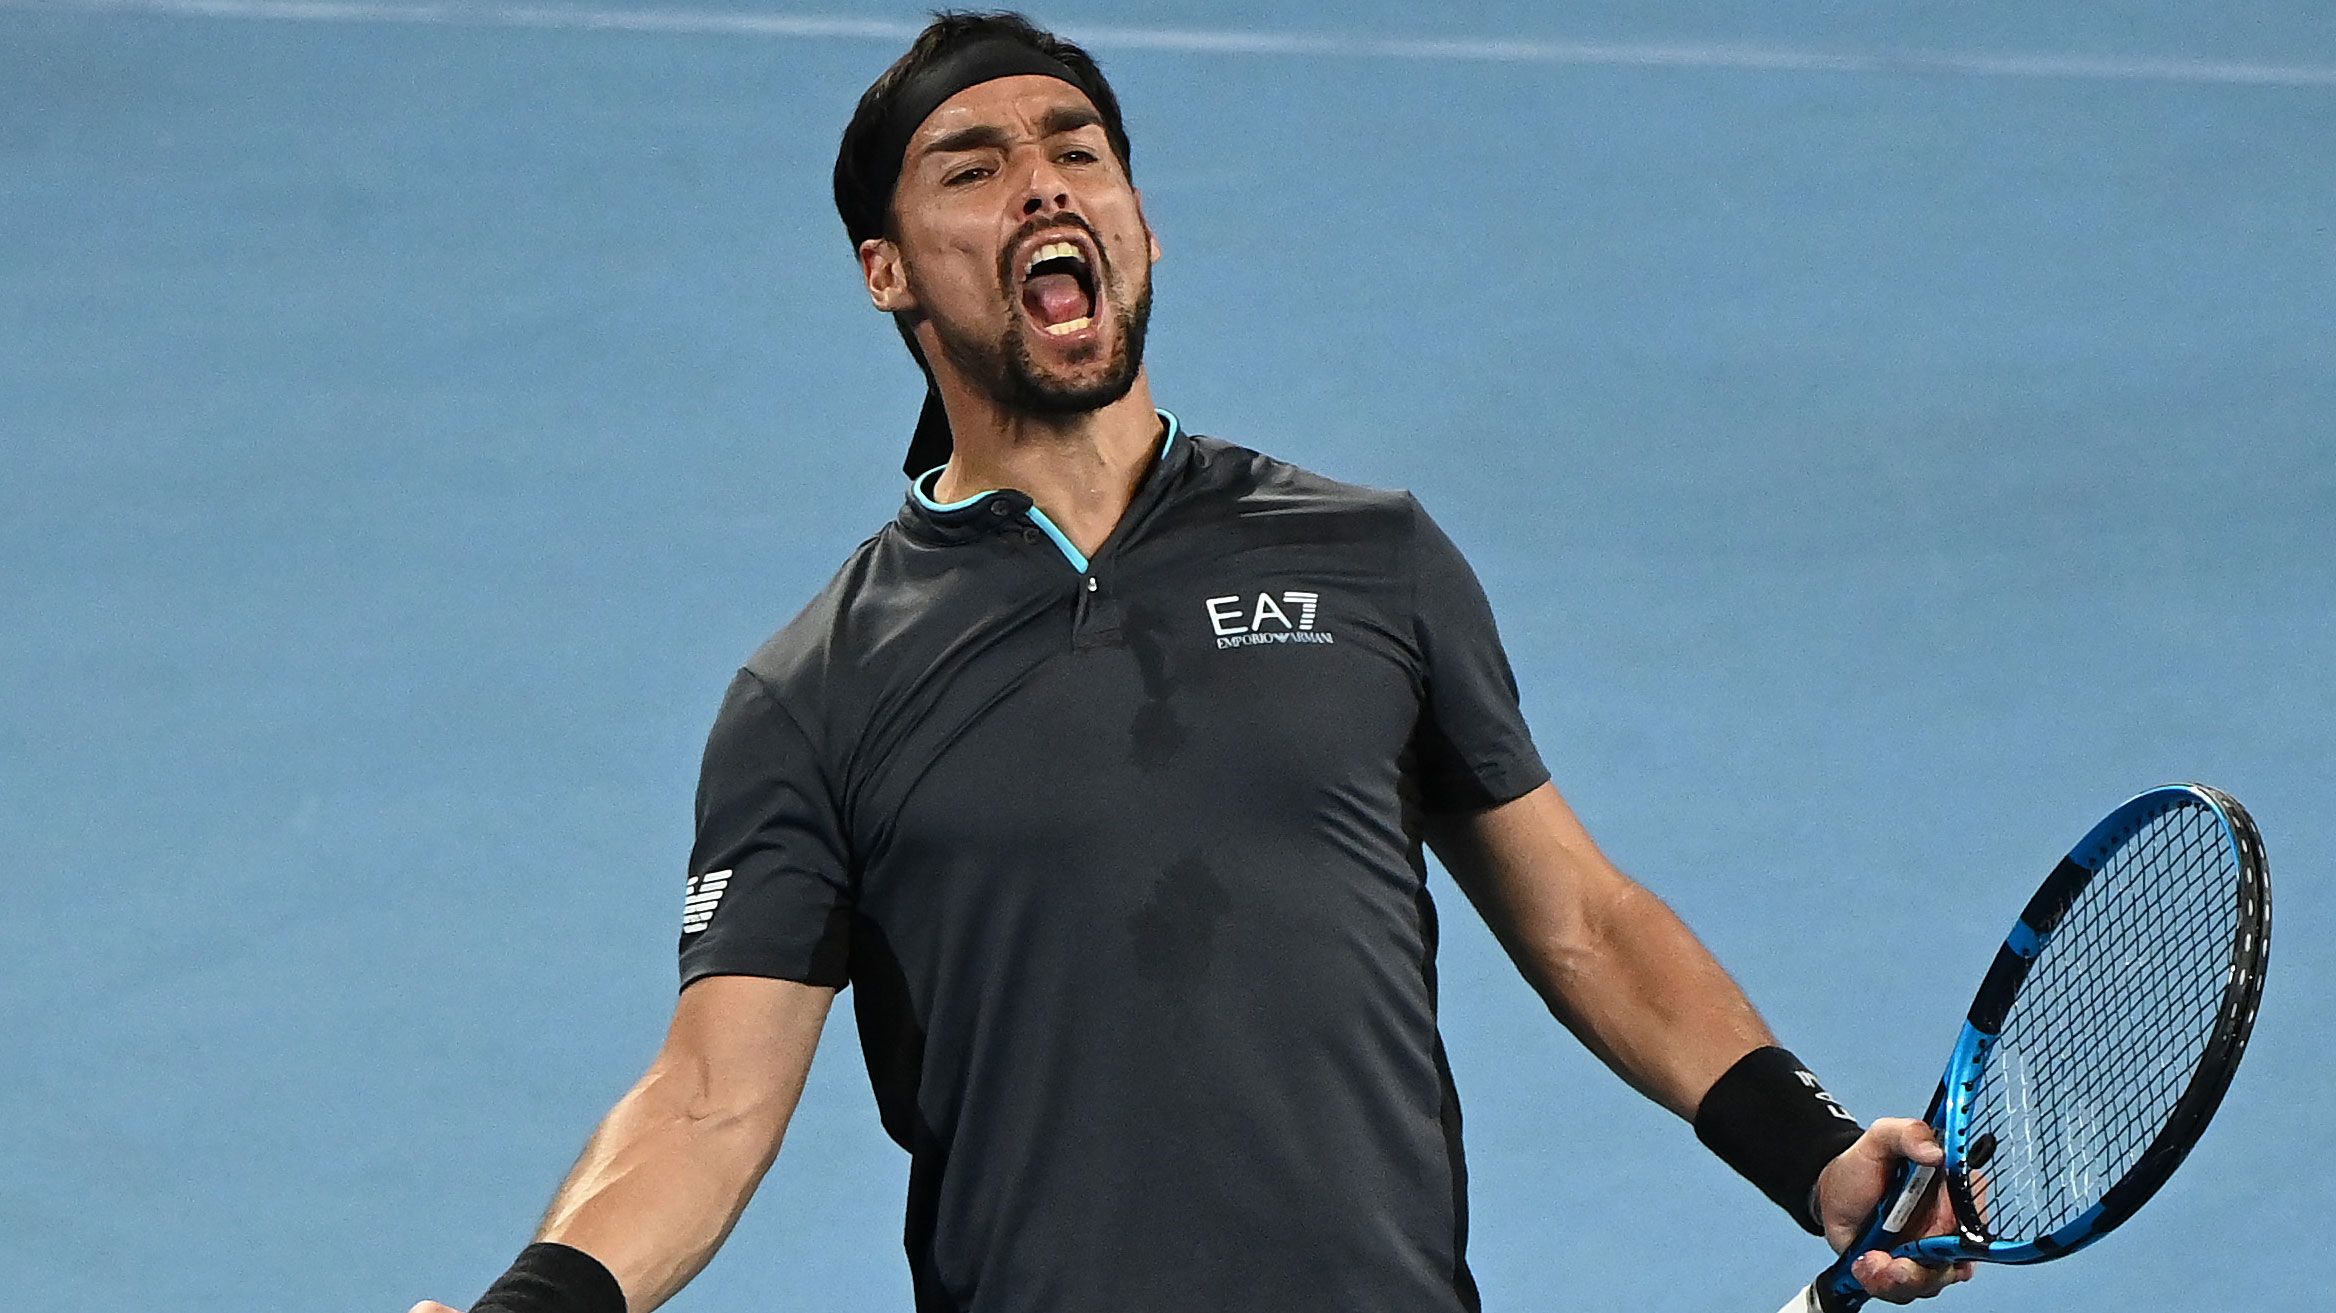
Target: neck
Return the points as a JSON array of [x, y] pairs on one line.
[[1082, 469]]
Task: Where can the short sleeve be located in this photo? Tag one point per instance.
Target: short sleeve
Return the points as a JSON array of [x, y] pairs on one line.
[[770, 885], [1473, 749]]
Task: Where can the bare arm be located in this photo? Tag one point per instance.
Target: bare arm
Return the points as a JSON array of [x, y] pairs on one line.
[[1611, 960], [674, 1163], [1622, 971]]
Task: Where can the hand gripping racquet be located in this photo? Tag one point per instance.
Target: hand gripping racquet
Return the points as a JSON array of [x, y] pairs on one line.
[[2100, 1044]]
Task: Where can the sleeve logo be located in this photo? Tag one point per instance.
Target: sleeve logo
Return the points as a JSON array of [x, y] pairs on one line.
[[704, 894], [1238, 621]]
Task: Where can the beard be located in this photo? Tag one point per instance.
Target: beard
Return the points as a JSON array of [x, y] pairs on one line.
[[1030, 388], [1011, 376]]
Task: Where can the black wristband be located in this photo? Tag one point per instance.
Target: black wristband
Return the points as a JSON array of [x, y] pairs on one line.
[[1768, 1118], [549, 1278]]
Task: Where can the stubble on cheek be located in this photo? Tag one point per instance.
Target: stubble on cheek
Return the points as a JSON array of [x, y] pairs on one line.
[[998, 352], [961, 339]]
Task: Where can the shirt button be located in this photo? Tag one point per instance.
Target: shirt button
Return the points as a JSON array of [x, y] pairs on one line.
[[1090, 583], [1001, 509], [1030, 536]]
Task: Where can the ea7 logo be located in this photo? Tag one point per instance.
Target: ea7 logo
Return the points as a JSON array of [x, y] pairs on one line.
[[1832, 1104], [703, 896], [1239, 621]]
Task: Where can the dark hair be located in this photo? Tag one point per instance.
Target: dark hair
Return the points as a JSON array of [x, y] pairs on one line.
[[864, 181]]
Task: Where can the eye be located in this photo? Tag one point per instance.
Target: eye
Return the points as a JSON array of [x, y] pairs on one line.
[[974, 173], [1078, 155]]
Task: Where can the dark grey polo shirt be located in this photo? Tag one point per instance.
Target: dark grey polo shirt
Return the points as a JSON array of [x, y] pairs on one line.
[[1123, 858]]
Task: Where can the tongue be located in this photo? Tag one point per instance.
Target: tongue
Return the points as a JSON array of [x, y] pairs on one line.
[[1055, 298]]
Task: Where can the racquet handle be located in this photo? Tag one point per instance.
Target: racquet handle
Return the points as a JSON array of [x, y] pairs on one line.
[[1835, 1290], [1815, 1299]]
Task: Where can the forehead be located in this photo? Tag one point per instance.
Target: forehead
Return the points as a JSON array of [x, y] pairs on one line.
[[1017, 104]]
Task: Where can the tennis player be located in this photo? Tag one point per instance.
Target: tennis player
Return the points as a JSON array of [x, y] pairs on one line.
[[1102, 773]]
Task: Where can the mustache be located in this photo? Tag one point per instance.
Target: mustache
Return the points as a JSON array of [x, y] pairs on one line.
[[1049, 223]]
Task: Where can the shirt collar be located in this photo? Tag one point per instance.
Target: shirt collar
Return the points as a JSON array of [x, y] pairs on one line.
[[997, 509], [920, 488]]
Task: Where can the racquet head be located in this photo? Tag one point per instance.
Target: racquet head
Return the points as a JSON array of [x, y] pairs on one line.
[[2105, 1034], [2100, 1043]]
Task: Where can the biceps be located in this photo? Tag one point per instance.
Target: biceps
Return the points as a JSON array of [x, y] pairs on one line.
[[1535, 876], [741, 1046]]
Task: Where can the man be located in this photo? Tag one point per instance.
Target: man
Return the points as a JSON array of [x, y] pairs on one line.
[[1103, 774]]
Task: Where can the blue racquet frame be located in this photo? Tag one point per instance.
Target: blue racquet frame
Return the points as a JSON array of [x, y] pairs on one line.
[[1837, 1291]]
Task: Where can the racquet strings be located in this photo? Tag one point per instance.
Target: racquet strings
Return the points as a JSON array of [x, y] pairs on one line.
[[2104, 1035]]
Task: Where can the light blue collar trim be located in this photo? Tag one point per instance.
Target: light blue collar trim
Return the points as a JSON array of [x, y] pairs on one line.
[[1071, 553], [918, 486], [925, 499], [1175, 426]]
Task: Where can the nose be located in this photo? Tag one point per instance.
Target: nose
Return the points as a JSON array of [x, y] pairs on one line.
[[1044, 190]]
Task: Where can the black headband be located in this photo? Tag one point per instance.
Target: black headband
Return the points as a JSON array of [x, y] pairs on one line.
[[967, 66], [871, 168]]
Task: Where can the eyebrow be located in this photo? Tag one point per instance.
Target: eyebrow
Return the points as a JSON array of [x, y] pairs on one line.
[[983, 137], [1057, 121], [1069, 118]]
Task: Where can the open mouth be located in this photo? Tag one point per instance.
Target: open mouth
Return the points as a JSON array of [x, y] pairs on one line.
[[1058, 289]]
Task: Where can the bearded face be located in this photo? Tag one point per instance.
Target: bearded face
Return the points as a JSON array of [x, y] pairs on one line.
[[1051, 356], [1022, 249]]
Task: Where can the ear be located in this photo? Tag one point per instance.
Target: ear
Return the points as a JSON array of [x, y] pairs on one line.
[[1150, 234], [886, 277]]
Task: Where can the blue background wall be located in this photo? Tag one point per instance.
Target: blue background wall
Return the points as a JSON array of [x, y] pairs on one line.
[[1890, 439]]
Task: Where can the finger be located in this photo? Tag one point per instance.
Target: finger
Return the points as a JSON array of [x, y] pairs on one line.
[[1900, 1280], [1908, 1138], [1939, 1218]]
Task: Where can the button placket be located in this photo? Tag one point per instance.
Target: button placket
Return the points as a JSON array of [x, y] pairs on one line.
[[1096, 619]]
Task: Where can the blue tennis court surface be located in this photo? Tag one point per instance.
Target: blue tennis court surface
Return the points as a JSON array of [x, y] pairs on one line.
[[1890, 439]]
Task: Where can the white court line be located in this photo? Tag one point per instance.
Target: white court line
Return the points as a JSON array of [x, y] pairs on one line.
[[1507, 50]]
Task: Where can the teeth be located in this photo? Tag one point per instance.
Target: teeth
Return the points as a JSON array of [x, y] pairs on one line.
[[1069, 326], [1052, 251]]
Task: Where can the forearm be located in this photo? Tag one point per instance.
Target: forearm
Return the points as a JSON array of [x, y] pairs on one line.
[[1611, 960], [661, 1183], [1644, 994], [1628, 977]]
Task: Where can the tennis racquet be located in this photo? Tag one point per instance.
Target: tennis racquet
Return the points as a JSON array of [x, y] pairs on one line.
[[2100, 1044]]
